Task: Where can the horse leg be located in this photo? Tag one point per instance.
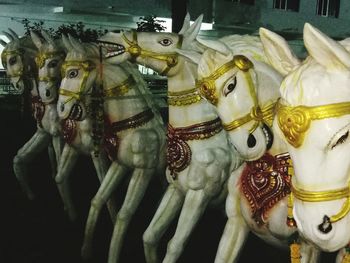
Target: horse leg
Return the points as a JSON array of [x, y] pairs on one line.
[[101, 166], [309, 254], [36, 144], [193, 208], [110, 182], [52, 159], [68, 159], [137, 187], [340, 256], [169, 207], [236, 230]]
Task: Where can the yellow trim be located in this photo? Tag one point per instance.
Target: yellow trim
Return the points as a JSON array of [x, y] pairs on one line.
[[121, 89], [184, 97], [294, 122], [41, 57], [324, 196]]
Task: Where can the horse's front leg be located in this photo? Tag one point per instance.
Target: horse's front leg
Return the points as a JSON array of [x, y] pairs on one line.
[[205, 175], [67, 161], [52, 159], [308, 253], [39, 141], [55, 150], [112, 179], [236, 230], [167, 210], [101, 166]]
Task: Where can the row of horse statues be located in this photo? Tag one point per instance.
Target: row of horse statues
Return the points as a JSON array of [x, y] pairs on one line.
[[250, 125]]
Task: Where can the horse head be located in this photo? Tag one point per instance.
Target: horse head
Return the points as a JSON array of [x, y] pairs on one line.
[[157, 50], [18, 60], [79, 72], [313, 116], [234, 78], [49, 60]]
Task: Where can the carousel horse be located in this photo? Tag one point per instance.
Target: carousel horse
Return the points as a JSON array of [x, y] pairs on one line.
[[234, 76], [313, 117], [199, 156], [18, 58], [134, 133]]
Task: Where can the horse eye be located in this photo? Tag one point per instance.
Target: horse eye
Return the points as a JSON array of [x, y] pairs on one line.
[[12, 60], [72, 73], [230, 87], [166, 42], [342, 139], [53, 63]]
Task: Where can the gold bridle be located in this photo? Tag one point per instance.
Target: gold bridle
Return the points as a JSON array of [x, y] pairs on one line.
[[135, 50], [294, 122], [43, 56], [207, 88], [87, 67], [18, 52], [184, 97]]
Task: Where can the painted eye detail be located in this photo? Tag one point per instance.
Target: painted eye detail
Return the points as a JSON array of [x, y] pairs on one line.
[[12, 60], [166, 42], [342, 139], [72, 73], [53, 63], [230, 87]]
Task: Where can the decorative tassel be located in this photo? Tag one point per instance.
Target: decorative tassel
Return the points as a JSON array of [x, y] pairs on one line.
[[290, 219], [295, 253], [346, 258]]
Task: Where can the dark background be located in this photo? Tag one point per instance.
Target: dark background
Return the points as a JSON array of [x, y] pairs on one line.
[[39, 231]]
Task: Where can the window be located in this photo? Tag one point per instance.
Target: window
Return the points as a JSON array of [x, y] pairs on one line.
[[248, 2], [289, 5], [328, 8]]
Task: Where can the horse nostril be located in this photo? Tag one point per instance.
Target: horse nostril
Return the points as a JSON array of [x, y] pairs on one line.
[[62, 107], [47, 93], [251, 141]]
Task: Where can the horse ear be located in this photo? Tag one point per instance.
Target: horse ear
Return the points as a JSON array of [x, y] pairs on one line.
[[67, 43], [76, 44], [47, 37], [324, 49], [8, 35], [215, 45], [278, 52], [192, 32], [14, 34], [3, 43], [36, 39], [190, 54], [186, 24]]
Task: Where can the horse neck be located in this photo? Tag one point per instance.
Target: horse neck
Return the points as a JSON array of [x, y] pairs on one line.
[[181, 116], [127, 104]]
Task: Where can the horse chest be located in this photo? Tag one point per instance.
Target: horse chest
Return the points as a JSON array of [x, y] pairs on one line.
[[263, 184]]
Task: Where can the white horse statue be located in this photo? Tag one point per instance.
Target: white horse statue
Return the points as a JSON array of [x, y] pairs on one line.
[[313, 117], [19, 59], [233, 75], [134, 133], [199, 155]]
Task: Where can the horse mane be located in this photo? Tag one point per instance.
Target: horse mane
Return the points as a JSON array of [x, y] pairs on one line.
[[247, 45]]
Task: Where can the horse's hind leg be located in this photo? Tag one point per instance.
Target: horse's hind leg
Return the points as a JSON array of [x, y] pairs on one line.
[[193, 208], [36, 144], [169, 207], [136, 190], [68, 159], [101, 166], [110, 182]]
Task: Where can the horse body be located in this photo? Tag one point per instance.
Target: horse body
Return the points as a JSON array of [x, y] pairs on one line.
[[234, 76], [315, 97], [199, 155]]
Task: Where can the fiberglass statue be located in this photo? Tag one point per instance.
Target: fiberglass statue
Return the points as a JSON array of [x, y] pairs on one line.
[[42, 80], [313, 117], [128, 127], [199, 155], [233, 74]]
